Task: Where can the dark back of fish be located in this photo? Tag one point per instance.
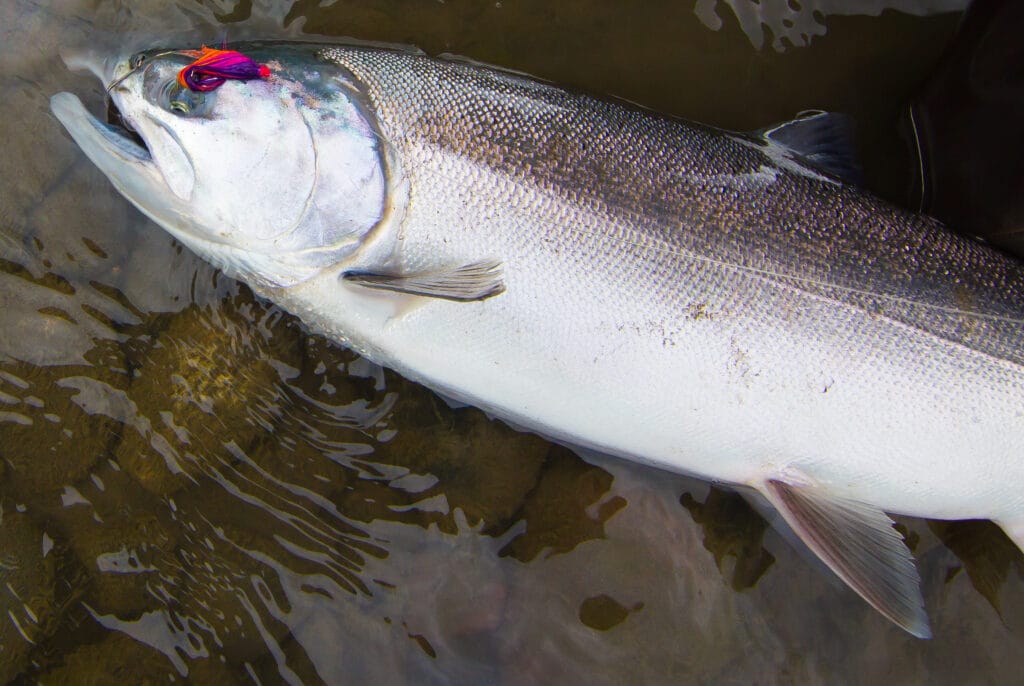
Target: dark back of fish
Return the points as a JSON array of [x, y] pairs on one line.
[[705, 193]]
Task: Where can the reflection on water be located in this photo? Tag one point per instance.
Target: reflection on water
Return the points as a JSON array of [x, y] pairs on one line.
[[192, 486], [732, 529], [795, 23]]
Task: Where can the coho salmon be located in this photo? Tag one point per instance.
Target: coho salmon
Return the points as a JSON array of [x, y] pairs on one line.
[[725, 305]]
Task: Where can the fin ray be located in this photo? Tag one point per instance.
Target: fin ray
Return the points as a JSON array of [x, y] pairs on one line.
[[465, 283], [823, 140], [858, 543]]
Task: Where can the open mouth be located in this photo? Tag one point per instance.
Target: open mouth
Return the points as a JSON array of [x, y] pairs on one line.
[[117, 147], [112, 147], [118, 124]]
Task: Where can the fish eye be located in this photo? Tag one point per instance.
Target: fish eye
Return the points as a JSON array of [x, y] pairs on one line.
[[136, 60], [182, 100]]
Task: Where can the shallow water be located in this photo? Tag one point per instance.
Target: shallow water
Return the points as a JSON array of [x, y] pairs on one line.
[[193, 487]]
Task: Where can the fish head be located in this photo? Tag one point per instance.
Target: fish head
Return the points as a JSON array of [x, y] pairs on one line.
[[271, 179]]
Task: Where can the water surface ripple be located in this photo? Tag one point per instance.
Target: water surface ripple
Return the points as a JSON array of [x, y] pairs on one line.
[[192, 487]]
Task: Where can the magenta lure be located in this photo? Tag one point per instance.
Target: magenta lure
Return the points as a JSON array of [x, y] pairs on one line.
[[213, 67]]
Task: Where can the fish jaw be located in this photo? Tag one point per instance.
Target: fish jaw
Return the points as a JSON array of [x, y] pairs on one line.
[[128, 165], [133, 172]]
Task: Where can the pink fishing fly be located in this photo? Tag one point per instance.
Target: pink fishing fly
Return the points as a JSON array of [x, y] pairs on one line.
[[213, 67]]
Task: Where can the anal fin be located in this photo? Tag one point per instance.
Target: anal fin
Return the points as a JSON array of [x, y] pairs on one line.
[[465, 283], [858, 543]]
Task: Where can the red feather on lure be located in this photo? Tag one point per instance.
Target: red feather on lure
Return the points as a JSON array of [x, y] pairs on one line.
[[213, 67]]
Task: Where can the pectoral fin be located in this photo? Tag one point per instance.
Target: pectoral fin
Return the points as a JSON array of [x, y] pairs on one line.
[[859, 544], [475, 281]]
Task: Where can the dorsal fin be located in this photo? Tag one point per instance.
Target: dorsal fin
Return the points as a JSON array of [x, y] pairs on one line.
[[822, 140], [858, 543]]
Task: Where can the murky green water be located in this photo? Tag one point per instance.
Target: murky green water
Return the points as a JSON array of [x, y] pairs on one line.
[[192, 487]]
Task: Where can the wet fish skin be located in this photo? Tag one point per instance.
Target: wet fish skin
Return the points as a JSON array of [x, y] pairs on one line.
[[686, 297]]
